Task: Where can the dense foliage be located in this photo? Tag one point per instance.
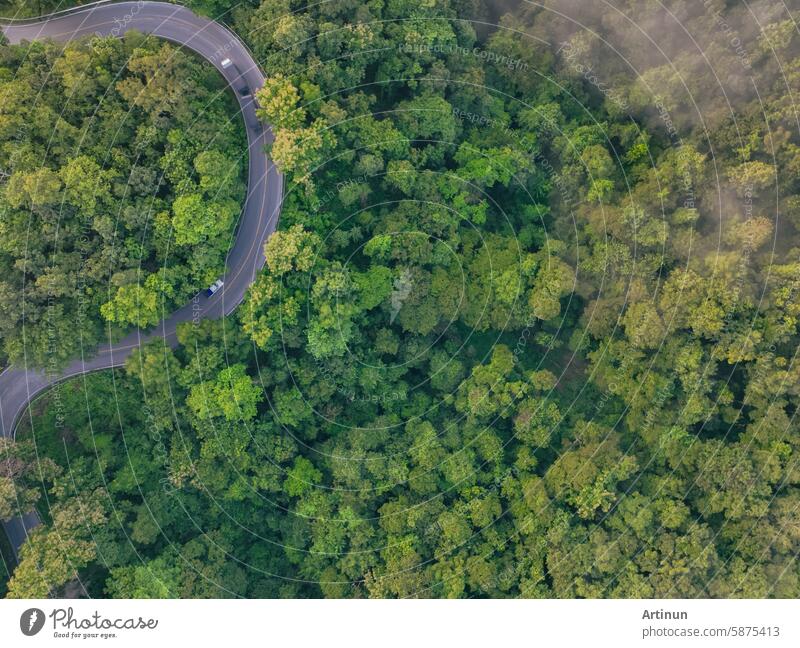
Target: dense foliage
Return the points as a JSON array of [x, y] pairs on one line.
[[528, 327], [121, 183]]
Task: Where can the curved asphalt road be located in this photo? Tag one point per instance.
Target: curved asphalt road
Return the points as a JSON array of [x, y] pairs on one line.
[[258, 220]]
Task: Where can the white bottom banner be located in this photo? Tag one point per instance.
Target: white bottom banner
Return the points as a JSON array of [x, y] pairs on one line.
[[479, 623]]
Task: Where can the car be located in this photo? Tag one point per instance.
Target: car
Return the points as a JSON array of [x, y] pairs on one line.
[[226, 63], [244, 91], [214, 287], [250, 117]]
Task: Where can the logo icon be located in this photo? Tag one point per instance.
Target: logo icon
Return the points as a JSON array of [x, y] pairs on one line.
[[31, 621]]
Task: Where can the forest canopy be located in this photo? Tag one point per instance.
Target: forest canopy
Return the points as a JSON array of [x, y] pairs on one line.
[[121, 165], [528, 327]]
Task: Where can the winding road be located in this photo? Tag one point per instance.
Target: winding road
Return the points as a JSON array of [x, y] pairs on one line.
[[258, 220]]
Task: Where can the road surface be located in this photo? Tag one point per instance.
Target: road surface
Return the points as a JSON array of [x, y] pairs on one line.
[[258, 219]]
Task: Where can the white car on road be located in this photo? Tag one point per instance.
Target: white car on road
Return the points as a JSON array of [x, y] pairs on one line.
[[214, 287]]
